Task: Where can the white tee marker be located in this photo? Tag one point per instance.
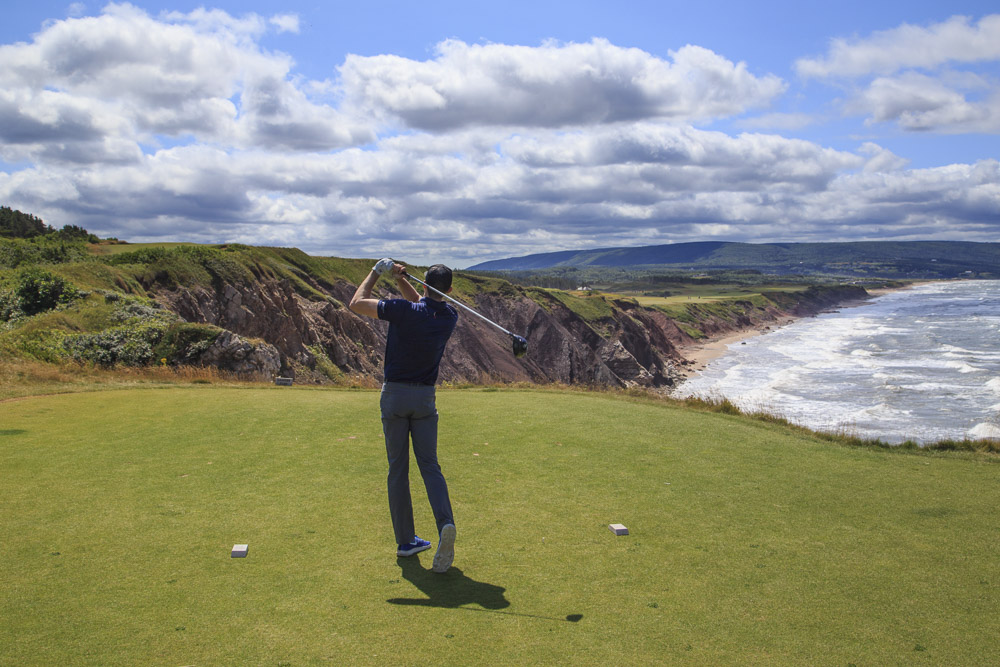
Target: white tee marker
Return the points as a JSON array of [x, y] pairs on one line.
[[239, 551], [618, 529]]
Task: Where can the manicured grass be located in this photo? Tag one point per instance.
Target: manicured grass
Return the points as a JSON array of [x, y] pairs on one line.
[[681, 294], [750, 543], [117, 249]]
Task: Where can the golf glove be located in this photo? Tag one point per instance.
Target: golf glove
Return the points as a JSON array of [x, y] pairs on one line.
[[384, 264]]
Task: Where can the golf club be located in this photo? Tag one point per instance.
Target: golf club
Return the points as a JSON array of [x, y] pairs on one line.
[[520, 343]]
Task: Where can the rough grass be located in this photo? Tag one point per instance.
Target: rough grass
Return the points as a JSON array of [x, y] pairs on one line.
[[104, 249], [751, 542], [590, 307], [21, 378]]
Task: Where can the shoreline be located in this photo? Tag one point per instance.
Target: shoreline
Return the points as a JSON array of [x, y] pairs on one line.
[[700, 354]]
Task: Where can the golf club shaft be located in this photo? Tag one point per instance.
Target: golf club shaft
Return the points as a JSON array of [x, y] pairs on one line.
[[459, 303]]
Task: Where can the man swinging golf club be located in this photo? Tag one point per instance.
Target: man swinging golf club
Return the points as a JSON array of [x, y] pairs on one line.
[[419, 329]]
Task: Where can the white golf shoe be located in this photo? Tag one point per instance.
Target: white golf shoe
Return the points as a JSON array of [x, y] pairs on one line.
[[446, 549]]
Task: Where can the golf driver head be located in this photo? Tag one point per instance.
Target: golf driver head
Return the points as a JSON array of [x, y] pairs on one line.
[[520, 345]]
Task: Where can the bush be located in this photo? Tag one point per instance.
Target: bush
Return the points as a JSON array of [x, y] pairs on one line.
[[14, 253], [222, 266], [727, 407], [185, 341], [10, 307], [38, 291], [47, 249], [128, 346], [136, 311], [45, 345], [74, 233], [140, 256]]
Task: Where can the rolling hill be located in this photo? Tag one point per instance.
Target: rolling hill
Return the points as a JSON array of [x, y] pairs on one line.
[[885, 259]]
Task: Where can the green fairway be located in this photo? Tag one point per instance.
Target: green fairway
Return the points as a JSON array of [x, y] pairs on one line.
[[682, 294], [750, 543], [119, 248]]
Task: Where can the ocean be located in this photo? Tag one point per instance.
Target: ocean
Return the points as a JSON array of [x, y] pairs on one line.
[[920, 364]]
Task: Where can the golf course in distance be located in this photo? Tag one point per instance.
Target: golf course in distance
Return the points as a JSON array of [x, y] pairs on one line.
[[751, 542]]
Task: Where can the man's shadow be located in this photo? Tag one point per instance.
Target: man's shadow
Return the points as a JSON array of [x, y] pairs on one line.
[[449, 590]]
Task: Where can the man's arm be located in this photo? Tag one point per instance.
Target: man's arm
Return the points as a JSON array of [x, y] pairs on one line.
[[408, 291], [362, 302]]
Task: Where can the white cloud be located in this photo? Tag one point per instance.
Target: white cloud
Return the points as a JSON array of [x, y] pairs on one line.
[[180, 126], [241, 30], [505, 194], [919, 102], [881, 160], [552, 85], [125, 76], [956, 40], [50, 125], [286, 22], [911, 75], [278, 115]]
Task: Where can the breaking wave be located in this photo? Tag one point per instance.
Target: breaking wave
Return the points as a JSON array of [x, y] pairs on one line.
[[919, 364]]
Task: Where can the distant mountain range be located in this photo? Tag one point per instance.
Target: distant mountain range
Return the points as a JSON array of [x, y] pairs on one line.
[[916, 259]]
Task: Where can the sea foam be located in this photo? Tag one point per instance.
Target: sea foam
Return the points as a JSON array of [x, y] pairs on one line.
[[911, 364]]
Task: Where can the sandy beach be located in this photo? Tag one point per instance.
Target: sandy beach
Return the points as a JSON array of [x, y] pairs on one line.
[[701, 353]]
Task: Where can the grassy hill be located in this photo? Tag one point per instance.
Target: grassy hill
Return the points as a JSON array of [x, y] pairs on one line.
[[278, 311], [80, 291], [885, 259], [751, 542]]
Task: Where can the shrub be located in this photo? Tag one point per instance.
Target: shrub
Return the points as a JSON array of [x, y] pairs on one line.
[[185, 341], [140, 256], [129, 346], [38, 291], [132, 310], [727, 407], [222, 266], [10, 307], [45, 345], [74, 233], [43, 249], [324, 364], [13, 253]]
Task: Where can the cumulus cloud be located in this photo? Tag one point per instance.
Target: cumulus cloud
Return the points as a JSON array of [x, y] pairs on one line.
[[553, 85], [420, 204], [278, 115], [956, 40], [180, 126], [507, 194], [919, 102], [286, 22], [125, 76], [881, 160], [911, 75]]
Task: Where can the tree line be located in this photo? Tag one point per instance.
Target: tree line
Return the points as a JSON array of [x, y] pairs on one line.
[[18, 225]]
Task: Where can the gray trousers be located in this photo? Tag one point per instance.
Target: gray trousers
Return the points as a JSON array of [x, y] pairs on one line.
[[410, 411]]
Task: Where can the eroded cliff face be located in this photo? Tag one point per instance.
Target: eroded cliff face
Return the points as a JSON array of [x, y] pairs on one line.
[[317, 338], [299, 328]]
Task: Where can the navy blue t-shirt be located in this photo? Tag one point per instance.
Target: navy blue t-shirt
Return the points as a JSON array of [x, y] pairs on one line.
[[418, 333]]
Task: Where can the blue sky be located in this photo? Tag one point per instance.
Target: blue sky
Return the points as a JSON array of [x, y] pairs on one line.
[[459, 132]]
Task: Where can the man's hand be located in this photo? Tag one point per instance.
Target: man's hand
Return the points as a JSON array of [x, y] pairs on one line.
[[405, 288], [363, 304], [383, 265]]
